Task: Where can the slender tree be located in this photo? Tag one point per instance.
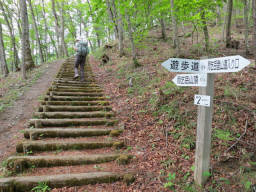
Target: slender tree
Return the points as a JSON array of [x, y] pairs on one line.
[[120, 33], [176, 43], [205, 29], [112, 17], [161, 20], [57, 27], [27, 61], [246, 31], [36, 32], [228, 27], [8, 20], [254, 28], [4, 67], [63, 43], [134, 53], [47, 30]]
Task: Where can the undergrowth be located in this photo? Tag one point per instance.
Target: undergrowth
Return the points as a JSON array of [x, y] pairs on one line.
[[14, 86]]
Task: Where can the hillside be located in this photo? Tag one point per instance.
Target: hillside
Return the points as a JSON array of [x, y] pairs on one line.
[[160, 129]]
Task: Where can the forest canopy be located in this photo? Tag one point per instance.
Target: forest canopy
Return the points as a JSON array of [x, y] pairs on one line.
[[35, 31]]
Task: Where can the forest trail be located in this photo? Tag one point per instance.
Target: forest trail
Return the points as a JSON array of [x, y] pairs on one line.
[[13, 118], [71, 139]]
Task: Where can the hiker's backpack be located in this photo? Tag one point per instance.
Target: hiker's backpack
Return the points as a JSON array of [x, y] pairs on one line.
[[83, 49]]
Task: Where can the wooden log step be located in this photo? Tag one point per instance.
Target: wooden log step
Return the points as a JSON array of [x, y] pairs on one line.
[[72, 115], [74, 89], [76, 85], [35, 134], [56, 108], [92, 84], [76, 103], [36, 146], [18, 164], [39, 123], [25, 184], [71, 81], [73, 98], [93, 94]]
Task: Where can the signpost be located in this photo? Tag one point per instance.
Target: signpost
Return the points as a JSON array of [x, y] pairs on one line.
[[204, 78]]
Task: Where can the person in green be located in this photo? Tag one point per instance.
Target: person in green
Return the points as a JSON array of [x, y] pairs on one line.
[[82, 51]]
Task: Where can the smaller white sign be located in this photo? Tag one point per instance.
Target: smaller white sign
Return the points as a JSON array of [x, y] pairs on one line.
[[199, 80], [203, 100]]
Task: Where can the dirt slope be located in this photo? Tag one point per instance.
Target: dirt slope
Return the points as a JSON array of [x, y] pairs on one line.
[[12, 119]]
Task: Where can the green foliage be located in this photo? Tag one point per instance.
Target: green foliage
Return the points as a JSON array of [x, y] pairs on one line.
[[247, 185], [170, 181], [41, 187], [223, 135]]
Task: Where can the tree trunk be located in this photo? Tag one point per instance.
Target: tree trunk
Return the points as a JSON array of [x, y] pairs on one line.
[[4, 67], [57, 28], [27, 61], [80, 22], [87, 34], [63, 44], [72, 27], [254, 28], [224, 23], [206, 34], [218, 19], [120, 34], [47, 30], [112, 18], [176, 44], [95, 28], [162, 27], [10, 28], [246, 27], [229, 19], [134, 54], [36, 32]]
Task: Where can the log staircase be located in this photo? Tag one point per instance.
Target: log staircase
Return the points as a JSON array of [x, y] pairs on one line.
[[72, 139]]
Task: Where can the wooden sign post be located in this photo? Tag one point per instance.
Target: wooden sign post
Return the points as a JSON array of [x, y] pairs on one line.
[[204, 70], [203, 134]]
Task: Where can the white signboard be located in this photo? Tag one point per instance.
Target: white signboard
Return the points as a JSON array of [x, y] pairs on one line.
[[182, 65], [223, 64], [215, 65], [199, 80], [203, 100]]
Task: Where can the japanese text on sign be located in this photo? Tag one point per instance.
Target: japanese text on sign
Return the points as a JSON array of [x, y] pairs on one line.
[[182, 65], [191, 80]]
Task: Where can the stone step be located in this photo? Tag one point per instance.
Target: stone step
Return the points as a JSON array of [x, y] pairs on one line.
[[25, 184], [74, 98], [35, 134], [76, 103], [89, 94], [72, 115], [39, 123], [57, 108], [35, 146], [18, 164]]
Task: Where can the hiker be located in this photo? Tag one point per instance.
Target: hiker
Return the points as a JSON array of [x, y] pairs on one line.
[[82, 51]]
